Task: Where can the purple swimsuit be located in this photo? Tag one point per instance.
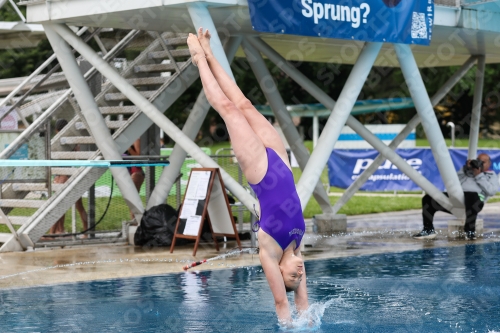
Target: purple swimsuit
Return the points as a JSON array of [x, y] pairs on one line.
[[280, 209]]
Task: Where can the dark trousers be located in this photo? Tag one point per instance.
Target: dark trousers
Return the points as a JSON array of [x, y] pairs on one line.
[[473, 206]]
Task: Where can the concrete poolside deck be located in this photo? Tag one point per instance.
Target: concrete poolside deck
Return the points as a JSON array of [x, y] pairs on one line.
[[367, 234]]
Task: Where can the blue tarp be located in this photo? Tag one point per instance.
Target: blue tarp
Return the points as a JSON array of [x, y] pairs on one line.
[[345, 165], [391, 21]]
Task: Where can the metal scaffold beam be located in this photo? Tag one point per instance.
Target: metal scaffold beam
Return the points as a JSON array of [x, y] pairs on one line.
[[430, 124], [412, 124], [292, 136], [476, 108], [97, 125], [190, 129], [152, 112], [326, 100]]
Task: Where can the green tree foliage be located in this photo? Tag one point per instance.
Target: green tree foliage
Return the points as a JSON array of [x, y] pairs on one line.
[[18, 62], [385, 82], [8, 14], [22, 62]]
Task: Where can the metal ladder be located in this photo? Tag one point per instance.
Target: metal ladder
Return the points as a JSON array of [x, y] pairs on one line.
[[167, 54]]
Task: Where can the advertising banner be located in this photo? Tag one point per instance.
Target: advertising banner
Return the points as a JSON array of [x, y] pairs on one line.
[[10, 121], [346, 165], [391, 21], [33, 150]]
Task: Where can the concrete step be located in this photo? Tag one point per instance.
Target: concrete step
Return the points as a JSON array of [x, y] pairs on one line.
[[21, 203], [131, 109], [4, 237], [17, 220], [71, 155], [158, 55], [74, 140], [80, 126], [122, 97], [156, 68], [148, 81], [64, 171], [28, 187], [112, 124]]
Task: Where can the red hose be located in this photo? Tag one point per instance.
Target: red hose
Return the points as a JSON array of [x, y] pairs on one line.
[[193, 264]]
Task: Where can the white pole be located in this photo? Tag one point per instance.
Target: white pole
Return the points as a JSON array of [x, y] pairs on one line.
[[315, 130], [21, 16], [365, 175], [336, 121], [430, 124], [153, 113], [191, 128], [326, 100], [202, 19], [292, 136], [452, 125], [73, 220], [90, 111], [35, 73], [45, 116], [476, 108]]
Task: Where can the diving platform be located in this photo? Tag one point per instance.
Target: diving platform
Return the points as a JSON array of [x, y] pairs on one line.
[[461, 29], [19, 34]]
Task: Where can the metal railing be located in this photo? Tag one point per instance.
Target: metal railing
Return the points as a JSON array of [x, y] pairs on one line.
[[23, 84], [151, 175], [45, 116]]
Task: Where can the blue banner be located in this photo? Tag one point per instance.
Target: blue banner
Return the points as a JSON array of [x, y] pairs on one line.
[[346, 165], [21, 153], [391, 21]]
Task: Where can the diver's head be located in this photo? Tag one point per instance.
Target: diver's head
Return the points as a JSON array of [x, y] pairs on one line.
[[292, 270]]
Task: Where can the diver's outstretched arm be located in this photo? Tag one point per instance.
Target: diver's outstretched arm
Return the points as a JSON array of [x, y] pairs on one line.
[[275, 280], [301, 302]]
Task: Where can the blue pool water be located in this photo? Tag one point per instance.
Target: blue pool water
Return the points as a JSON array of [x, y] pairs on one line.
[[453, 289]]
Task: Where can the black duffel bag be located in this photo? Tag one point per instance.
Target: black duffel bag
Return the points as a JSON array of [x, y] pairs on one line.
[[157, 226]]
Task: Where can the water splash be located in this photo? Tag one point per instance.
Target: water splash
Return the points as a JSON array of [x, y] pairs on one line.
[[310, 320]]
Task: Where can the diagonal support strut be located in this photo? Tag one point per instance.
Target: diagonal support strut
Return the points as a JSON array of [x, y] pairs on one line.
[[153, 113], [326, 100], [447, 86]]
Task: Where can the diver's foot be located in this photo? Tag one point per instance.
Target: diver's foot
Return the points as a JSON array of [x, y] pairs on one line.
[[195, 49], [204, 38]]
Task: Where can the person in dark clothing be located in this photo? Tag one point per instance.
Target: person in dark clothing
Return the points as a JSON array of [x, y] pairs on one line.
[[478, 182]]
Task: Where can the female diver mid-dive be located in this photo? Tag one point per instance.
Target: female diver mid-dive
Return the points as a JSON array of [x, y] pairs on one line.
[[263, 160]]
